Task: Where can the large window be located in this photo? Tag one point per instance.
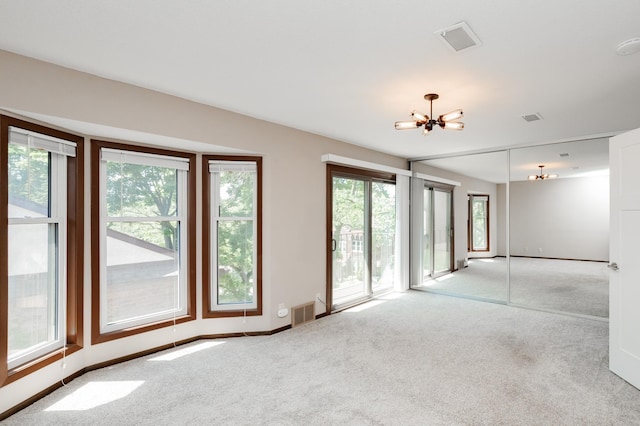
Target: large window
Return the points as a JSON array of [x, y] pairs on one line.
[[478, 223], [142, 240], [232, 245], [41, 254]]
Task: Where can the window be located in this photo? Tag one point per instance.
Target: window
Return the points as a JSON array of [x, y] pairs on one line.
[[143, 239], [478, 223], [41, 237], [232, 251]]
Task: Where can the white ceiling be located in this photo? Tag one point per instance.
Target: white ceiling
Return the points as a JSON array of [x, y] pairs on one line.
[[350, 69]]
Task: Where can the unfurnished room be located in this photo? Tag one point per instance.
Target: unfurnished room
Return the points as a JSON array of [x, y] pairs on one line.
[[285, 212]]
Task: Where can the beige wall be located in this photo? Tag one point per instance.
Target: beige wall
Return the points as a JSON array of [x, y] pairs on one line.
[[294, 189], [560, 218]]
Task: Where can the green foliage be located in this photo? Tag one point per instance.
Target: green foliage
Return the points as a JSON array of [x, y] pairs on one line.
[[349, 200], [236, 236], [29, 176], [478, 217], [144, 191]]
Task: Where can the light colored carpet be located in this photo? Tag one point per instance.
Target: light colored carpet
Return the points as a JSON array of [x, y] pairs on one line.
[[411, 358], [573, 286]]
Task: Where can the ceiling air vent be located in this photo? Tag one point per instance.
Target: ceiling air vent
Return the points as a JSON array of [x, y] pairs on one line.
[[532, 117], [458, 37]]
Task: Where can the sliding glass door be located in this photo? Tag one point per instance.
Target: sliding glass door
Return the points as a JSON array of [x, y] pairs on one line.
[[442, 231], [363, 223], [435, 233]]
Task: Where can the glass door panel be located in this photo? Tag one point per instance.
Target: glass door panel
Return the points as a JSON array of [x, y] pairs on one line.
[[349, 248], [441, 232], [427, 220], [383, 235]]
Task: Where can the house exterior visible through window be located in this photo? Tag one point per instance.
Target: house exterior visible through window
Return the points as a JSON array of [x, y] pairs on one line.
[[233, 231], [144, 238], [39, 232]]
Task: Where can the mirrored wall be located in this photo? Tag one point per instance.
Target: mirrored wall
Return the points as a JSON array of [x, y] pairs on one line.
[[478, 217], [522, 234]]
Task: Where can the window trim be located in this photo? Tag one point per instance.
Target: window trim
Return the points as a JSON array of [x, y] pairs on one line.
[[210, 311], [97, 336], [73, 341]]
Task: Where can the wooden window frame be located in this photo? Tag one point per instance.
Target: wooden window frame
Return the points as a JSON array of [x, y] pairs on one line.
[[208, 309], [470, 247], [96, 335], [75, 252]]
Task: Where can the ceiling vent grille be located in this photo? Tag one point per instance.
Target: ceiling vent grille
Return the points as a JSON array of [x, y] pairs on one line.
[[458, 37], [532, 117]]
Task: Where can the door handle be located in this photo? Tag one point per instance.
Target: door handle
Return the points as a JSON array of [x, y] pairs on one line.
[[613, 266], [334, 244]]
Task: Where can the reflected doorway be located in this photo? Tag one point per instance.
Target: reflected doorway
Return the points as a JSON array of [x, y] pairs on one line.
[[437, 232]]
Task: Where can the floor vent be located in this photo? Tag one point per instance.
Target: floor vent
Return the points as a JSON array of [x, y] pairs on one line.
[[302, 313]]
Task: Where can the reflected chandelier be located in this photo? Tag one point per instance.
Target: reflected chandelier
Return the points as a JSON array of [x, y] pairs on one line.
[[542, 176], [445, 121]]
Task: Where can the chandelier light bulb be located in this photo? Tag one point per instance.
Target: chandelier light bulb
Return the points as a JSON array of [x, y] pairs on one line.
[[450, 116], [405, 125], [453, 125], [419, 116]]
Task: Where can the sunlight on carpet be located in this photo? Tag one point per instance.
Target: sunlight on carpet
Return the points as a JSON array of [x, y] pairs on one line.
[[185, 351], [95, 394]]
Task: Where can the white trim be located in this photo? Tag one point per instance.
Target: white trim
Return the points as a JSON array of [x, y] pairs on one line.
[[57, 261], [216, 167], [179, 298], [436, 179], [337, 159], [144, 159], [402, 250]]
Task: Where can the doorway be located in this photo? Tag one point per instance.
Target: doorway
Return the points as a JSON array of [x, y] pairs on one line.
[[362, 228]]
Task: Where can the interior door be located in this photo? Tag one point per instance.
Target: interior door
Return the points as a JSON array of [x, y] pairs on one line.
[[624, 299]]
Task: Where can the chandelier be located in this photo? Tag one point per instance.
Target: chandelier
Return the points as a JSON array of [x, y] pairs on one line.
[[445, 121], [542, 175]]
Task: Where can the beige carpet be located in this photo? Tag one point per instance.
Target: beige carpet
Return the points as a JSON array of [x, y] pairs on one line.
[[412, 358], [579, 287]]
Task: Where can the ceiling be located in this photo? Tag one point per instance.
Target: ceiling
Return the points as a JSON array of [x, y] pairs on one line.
[[350, 69]]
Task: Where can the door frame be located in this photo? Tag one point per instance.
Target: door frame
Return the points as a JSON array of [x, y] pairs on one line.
[[352, 173]]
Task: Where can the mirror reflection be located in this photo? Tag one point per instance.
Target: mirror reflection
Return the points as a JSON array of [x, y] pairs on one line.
[[558, 218], [459, 211], [559, 227]]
